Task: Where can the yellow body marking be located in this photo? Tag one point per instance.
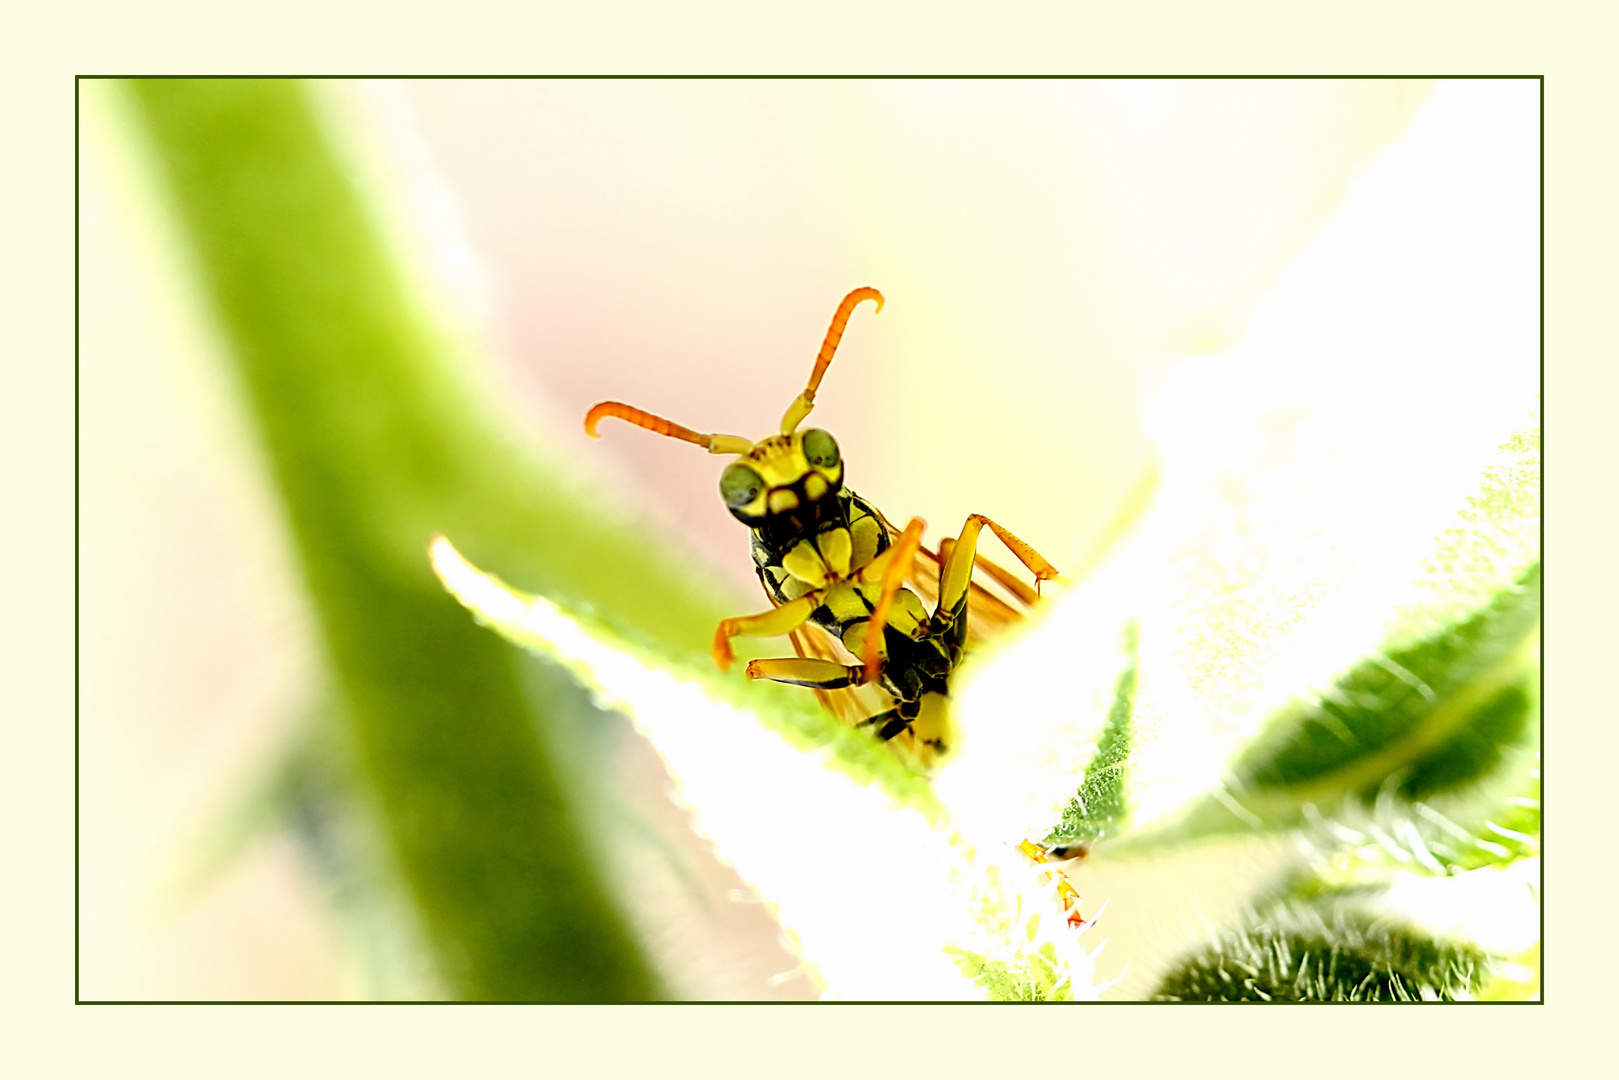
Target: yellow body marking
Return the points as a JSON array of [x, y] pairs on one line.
[[837, 551], [864, 533], [804, 563]]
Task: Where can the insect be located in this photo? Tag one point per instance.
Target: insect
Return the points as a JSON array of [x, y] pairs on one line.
[[828, 558], [1048, 860]]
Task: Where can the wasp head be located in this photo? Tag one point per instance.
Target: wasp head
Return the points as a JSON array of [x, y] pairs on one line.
[[784, 479], [786, 482]]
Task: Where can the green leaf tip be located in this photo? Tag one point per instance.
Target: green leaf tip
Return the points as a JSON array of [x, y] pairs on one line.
[[1102, 802]]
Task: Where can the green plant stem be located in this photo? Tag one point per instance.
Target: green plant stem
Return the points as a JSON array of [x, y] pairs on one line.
[[374, 443]]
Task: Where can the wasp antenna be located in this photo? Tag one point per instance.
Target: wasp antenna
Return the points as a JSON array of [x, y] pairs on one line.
[[641, 419], [714, 444], [834, 334], [803, 403]]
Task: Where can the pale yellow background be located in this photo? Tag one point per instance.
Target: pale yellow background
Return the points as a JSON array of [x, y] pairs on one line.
[[59, 1039]]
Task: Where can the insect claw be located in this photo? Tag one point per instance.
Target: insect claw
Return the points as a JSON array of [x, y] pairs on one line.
[[723, 655], [1067, 852]]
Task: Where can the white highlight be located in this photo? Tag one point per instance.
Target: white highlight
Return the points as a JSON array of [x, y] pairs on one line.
[[1497, 907], [1306, 474]]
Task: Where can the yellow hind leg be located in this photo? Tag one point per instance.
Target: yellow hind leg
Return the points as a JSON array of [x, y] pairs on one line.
[[956, 575]]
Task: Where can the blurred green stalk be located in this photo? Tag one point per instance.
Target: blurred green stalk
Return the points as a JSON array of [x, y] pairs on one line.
[[375, 443]]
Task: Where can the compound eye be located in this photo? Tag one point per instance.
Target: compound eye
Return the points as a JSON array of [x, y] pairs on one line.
[[820, 449], [739, 485]]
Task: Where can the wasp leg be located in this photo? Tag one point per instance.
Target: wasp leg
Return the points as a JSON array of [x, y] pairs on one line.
[[924, 724], [956, 574], [889, 723], [898, 564], [997, 573], [788, 617], [805, 671]]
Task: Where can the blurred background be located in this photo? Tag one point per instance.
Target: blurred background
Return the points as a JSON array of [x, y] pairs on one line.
[[1048, 250]]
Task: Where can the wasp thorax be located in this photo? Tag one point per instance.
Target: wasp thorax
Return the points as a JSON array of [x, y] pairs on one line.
[[783, 477]]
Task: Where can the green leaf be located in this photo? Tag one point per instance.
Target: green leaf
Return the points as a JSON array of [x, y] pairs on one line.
[[1034, 979], [1437, 715], [1511, 832], [1102, 805]]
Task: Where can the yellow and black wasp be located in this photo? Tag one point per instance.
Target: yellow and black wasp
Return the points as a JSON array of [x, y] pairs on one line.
[[829, 558]]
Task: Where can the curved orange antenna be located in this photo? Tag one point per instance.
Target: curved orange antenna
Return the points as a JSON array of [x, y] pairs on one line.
[[642, 419], [834, 334], [714, 444], [804, 402]]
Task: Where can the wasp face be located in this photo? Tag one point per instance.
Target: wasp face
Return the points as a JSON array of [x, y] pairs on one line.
[[784, 480]]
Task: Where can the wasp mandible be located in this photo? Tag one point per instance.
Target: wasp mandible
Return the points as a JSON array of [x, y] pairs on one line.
[[828, 557]]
